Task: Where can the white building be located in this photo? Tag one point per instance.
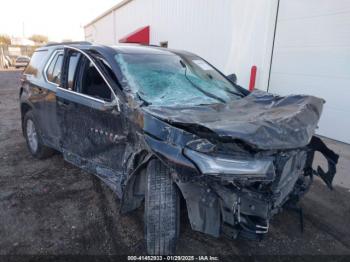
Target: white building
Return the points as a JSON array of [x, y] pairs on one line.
[[22, 41], [298, 46]]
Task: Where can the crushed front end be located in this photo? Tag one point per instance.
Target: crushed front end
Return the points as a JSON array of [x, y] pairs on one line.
[[238, 194], [239, 164]]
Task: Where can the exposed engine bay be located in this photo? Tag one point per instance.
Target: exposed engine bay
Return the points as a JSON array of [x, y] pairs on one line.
[[234, 181]]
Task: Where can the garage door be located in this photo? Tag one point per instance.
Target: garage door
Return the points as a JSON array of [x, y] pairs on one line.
[[312, 56]]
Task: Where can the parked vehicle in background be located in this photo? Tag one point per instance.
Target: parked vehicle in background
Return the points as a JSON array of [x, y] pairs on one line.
[[157, 125], [22, 61]]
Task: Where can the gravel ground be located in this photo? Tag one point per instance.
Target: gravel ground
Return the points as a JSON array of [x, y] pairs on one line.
[[52, 207]]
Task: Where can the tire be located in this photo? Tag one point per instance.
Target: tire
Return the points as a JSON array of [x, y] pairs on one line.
[[33, 139], [162, 210]]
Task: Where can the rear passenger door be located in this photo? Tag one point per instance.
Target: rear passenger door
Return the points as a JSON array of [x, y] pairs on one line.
[[92, 128], [52, 74], [40, 92]]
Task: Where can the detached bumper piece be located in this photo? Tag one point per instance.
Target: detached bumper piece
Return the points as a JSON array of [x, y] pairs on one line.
[[317, 144]]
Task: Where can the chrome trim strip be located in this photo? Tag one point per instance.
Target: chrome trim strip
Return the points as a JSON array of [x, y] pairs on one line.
[[79, 94], [115, 99]]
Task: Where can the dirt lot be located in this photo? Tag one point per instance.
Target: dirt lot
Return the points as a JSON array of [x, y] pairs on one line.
[[51, 207]]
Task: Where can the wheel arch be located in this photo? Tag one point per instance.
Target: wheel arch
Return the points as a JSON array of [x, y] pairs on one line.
[[133, 193], [25, 107]]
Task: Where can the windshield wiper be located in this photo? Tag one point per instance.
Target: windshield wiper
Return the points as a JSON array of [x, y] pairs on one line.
[[199, 88], [144, 102], [234, 93], [226, 88]]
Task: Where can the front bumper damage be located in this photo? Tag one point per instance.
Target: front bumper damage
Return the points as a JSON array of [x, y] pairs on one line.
[[238, 206], [242, 202], [244, 206]]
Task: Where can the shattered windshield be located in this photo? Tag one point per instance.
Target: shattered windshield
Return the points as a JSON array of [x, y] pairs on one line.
[[168, 80]]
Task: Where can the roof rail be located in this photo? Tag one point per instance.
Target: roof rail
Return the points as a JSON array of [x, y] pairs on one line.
[[69, 43], [152, 45]]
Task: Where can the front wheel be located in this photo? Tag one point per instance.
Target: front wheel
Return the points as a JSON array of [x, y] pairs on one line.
[[162, 210]]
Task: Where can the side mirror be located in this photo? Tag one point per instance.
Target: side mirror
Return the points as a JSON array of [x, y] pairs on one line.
[[232, 78], [111, 105]]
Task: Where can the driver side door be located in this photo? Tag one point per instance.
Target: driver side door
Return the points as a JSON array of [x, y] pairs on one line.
[[93, 131]]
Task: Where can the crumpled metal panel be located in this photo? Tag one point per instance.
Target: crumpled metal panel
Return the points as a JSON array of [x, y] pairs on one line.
[[203, 207], [262, 120], [289, 168]]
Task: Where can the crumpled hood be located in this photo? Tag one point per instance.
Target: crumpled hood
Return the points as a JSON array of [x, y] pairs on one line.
[[262, 120]]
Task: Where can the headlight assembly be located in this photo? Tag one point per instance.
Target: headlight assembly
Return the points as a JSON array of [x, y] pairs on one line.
[[215, 165]]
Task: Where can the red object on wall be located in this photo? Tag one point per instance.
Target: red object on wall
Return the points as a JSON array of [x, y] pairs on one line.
[[140, 36], [252, 78]]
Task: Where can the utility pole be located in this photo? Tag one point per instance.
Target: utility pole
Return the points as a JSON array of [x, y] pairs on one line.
[[23, 31]]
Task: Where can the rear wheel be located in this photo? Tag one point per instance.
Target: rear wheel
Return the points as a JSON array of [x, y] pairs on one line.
[[34, 142], [162, 210]]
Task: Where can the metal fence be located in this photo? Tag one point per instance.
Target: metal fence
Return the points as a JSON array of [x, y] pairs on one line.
[[13, 51], [18, 50]]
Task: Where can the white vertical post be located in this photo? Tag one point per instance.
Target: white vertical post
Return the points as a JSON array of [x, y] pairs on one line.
[[114, 29], [2, 64]]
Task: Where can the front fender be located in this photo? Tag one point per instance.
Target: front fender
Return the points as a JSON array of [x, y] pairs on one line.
[[167, 143]]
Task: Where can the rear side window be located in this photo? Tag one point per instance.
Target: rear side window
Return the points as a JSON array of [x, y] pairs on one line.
[[53, 72], [36, 63], [72, 66]]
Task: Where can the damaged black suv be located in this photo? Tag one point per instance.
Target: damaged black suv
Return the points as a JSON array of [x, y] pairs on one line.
[[160, 125]]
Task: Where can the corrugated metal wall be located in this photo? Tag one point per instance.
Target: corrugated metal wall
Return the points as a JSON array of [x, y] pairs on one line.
[[231, 34], [312, 56], [102, 31]]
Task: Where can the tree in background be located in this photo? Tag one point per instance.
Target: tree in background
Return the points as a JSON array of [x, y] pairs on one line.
[[39, 39], [5, 40]]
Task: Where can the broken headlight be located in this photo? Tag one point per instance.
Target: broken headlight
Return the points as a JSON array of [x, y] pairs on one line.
[[237, 167]]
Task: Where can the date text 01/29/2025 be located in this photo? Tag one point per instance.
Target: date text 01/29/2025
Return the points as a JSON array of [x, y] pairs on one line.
[[173, 258]]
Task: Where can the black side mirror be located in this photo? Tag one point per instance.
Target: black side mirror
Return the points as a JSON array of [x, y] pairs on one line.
[[232, 78]]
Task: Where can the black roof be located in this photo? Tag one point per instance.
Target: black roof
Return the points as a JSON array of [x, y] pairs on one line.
[[140, 49], [78, 44], [120, 48], [68, 43]]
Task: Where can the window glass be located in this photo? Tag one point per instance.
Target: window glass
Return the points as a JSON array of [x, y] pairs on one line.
[[72, 66], [92, 83], [53, 73], [56, 74], [108, 70], [50, 69], [36, 63], [171, 79]]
